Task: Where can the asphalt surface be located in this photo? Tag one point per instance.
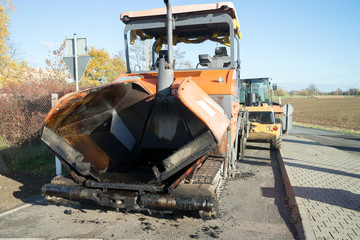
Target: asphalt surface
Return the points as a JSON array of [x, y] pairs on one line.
[[252, 207], [346, 142]]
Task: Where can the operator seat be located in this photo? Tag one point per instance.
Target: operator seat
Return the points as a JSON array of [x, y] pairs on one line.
[[220, 51], [219, 60]]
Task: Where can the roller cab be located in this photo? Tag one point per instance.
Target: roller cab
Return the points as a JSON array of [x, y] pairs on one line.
[[265, 123]]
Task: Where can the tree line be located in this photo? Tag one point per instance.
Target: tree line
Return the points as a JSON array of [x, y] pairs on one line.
[[102, 67], [312, 90]]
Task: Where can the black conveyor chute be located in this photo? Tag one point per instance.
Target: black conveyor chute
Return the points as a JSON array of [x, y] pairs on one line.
[[185, 156]]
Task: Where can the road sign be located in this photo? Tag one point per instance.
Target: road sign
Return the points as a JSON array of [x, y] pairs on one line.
[[81, 47], [82, 64], [288, 109], [76, 61], [287, 121]]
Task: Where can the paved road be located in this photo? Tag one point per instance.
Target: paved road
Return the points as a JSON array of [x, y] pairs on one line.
[[345, 142], [325, 183], [252, 207], [324, 171]]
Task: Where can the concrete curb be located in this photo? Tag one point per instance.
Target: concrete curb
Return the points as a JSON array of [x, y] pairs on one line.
[[298, 211]]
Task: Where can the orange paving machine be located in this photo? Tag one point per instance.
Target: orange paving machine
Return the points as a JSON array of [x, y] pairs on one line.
[[166, 134]]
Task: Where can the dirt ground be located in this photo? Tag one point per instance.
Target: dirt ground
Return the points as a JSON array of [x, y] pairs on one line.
[[327, 112], [19, 188]]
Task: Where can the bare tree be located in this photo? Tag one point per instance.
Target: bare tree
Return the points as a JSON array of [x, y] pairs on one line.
[[293, 92], [312, 90], [180, 60], [137, 56], [353, 91], [56, 67], [15, 51]]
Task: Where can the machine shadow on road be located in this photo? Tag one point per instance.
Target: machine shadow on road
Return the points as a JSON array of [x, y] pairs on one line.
[[330, 196], [345, 148], [347, 137], [263, 163], [256, 147], [278, 193], [20, 188], [356, 138], [321, 169], [301, 142], [259, 155], [340, 147]]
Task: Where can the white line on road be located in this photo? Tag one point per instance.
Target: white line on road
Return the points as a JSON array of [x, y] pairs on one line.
[[14, 210], [20, 207]]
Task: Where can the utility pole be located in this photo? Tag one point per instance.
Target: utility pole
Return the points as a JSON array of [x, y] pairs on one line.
[[76, 58], [147, 54], [76, 63], [58, 168]]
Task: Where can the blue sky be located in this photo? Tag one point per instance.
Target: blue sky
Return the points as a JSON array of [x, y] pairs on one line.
[[296, 43]]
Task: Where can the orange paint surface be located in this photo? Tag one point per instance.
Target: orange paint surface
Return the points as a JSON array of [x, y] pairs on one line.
[[207, 80], [277, 109], [203, 106]]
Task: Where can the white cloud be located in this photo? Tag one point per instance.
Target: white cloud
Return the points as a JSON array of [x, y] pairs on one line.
[[50, 45]]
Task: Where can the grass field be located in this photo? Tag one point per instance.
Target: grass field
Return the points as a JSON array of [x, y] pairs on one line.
[[333, 112], [34, 159]]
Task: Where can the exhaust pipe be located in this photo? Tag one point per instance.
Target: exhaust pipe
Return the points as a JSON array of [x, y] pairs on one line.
[[166, 71], [169, 32]]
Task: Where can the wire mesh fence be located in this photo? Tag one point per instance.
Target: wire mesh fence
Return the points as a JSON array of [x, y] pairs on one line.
[[21, 120]]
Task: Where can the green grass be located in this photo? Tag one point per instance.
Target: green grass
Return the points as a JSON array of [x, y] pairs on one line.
[[274, 97], [33, 158]]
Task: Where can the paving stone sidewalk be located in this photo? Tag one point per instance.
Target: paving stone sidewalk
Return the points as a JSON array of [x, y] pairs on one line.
[[326, 185]]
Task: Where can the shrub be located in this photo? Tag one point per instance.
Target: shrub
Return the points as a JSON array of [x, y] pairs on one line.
[[280, 92], [23, 107]]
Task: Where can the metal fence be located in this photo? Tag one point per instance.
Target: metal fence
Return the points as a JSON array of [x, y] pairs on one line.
[[21, 119]]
